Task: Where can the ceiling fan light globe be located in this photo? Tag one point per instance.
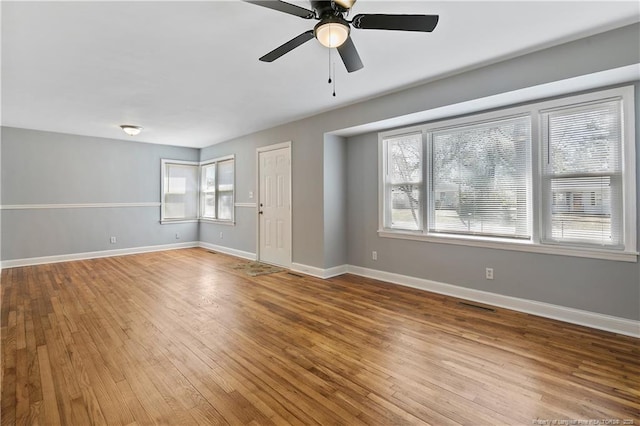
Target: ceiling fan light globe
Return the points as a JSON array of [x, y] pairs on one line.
[[332, 34]]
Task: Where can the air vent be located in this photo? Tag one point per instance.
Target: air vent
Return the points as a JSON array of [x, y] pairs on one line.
[[474, 306]]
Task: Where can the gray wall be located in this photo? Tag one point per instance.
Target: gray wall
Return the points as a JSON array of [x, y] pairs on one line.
[[597, 53], [600, 286], [242, 236], [53, 168], [77, 169], [335, 201]]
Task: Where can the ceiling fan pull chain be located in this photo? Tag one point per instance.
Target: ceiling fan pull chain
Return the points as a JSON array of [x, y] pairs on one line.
[[334, 79], [329, 66]]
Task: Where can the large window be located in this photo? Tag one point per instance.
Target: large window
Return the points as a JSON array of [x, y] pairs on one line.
[[555, 176], [198, 191], [479, 179]]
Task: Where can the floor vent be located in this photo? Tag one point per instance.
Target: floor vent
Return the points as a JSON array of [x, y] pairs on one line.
[[481, 308], [295, 275], [212, 252]]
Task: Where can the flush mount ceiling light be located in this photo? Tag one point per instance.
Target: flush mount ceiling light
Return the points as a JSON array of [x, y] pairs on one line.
[[332, 32], [130, 129]]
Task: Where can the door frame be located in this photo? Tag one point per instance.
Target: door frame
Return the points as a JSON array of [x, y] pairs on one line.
[[260, 150]]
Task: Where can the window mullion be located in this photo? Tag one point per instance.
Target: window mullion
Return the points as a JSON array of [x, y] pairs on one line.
[[427, 184]]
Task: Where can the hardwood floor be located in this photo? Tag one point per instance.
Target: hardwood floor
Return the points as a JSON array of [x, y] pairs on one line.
[[180, 337]]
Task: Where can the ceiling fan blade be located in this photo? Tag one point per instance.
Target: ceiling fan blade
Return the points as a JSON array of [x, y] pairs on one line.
[[288, 46], [349, 55], [285, 7], [425, 23]]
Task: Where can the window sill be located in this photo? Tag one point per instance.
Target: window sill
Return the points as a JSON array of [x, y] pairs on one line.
[[170, 221], [218, 222], [524, 246]]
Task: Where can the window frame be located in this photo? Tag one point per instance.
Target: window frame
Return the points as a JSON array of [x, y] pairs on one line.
[[536, 197], [199, 193], [389, 187], [217, 191], [163, 178]]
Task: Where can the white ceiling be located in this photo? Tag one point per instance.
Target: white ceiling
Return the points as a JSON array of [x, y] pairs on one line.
[[188, 72]]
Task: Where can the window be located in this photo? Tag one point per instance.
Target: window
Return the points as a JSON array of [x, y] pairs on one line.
[[193, 191], [217, 190], [179, 191], [582, 148], [481, 169], [554, 177], [404, 182]]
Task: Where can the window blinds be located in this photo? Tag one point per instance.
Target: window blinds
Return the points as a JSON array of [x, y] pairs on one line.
[[582, 180], [180, 191], [480, 179]]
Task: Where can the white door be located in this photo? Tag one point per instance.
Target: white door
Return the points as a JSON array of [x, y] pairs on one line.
[[274, 206]]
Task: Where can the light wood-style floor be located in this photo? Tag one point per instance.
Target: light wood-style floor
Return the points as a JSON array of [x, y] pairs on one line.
[[179, 337]]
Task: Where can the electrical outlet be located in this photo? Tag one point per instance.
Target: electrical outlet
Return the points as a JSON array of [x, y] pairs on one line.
[[113, 240], [374, 255], [489, 273], [177, 235], [250, 194], [221, 235]]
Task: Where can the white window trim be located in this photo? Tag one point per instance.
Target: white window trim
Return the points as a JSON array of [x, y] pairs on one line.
[[163, 169], [231, 222], [534, 245], [164, 162]]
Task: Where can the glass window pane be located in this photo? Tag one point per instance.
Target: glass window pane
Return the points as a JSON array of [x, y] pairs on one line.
[[209, 206], [225, 189], [404, 174], [583, 167], [405, 207], [583, 210], [180, 191], [209, 177], [225, 205], [584, 139], [480, 179], [225, 175]]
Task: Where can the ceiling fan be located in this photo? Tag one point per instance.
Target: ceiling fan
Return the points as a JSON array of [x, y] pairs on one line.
[[333, 29]]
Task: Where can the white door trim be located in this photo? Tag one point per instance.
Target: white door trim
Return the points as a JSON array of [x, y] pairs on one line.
[[259, 150]]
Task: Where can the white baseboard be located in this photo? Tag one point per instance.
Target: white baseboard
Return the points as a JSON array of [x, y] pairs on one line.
[[319, 272], [92, 255], [227, 250], [575, 316]]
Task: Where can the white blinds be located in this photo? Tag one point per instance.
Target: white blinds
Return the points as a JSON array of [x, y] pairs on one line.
[[582, 180], [480, 179], [225, 190], [208, 191], [180, 191]]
